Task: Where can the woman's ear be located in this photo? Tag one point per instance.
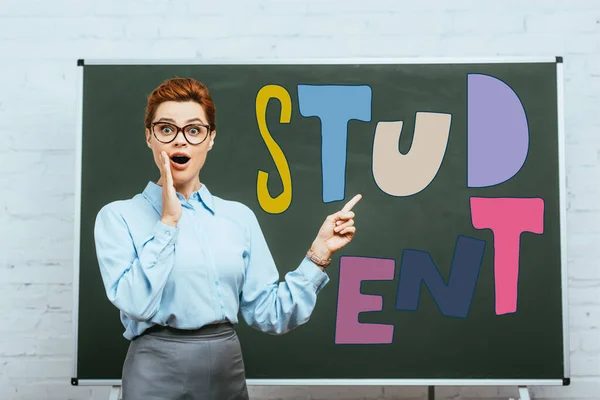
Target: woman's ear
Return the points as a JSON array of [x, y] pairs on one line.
[[212, 139], [148, 138]]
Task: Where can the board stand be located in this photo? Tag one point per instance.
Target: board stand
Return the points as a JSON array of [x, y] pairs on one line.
[[524, 393], [431, 393], [115, 393]]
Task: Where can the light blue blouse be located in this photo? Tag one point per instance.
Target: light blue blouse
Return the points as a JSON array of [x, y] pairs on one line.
[[214, 264]]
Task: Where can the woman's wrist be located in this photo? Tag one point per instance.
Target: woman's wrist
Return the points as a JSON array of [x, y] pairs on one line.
[[319, 254], [169, 221]]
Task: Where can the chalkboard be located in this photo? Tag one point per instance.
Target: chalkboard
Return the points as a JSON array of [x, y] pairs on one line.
[[457, 270]]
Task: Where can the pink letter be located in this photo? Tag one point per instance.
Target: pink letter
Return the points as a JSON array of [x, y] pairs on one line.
[[507, 218], [354, 270]]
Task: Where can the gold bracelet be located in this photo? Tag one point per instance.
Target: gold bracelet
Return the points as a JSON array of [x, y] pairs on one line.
[[316, 259]]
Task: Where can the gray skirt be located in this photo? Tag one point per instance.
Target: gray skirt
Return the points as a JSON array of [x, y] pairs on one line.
[[170, 364]]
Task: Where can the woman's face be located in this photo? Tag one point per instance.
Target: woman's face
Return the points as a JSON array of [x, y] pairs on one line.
[[186, 159]]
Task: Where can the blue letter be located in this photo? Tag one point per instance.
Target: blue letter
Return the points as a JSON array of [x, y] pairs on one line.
[[454, 299], [335, 105]]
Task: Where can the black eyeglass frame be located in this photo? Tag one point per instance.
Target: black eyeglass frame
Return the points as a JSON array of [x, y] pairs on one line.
[[179, 129]]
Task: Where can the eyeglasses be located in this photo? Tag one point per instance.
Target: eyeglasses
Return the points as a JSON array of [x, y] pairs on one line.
[[166, 132]]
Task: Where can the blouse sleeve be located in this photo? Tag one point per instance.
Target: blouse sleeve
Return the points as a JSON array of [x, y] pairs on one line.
[[269, 305], [133, 281]]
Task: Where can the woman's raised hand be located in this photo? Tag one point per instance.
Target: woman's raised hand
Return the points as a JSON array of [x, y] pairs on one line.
[[171, 207], [337, 231]]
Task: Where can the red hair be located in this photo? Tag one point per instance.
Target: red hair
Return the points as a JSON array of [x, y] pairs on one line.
[[181, 89]]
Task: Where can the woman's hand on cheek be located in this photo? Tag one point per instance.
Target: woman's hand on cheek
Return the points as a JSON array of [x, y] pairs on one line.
[[171, 207]]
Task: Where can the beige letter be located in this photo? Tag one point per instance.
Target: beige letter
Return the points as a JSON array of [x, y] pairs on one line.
[[398, 174]]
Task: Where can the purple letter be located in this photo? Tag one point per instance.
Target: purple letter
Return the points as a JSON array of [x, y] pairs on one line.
[[497, 132]]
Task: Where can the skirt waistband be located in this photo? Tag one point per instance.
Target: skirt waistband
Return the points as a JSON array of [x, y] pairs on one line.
[[210, 330]]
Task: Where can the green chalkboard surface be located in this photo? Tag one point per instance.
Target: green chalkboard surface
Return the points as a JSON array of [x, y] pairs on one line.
[[473, 186]]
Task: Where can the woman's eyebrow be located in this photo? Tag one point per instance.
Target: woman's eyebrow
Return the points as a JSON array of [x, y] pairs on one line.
[[173, 121], [195, 119]]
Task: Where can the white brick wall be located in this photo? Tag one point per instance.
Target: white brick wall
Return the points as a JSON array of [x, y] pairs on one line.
[[40, 41]]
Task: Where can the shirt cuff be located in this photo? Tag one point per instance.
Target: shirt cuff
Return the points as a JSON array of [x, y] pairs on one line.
[[163, 233], [313, 274]]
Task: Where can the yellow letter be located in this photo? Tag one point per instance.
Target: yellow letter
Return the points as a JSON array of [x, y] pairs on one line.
[[280, 203]]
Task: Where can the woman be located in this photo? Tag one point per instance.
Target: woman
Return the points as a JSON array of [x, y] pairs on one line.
[[179, 263]]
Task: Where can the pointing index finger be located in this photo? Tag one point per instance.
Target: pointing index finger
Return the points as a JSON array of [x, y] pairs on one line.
[[351, 203]]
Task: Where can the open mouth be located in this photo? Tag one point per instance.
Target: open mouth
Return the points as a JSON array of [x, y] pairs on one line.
[[180, 159]]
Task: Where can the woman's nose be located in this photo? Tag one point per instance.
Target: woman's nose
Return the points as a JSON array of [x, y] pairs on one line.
[[180, 139]]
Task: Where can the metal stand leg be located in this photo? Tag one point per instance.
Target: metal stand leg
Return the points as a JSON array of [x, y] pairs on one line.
[[524, 393], [431, 393], [115, 393]]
